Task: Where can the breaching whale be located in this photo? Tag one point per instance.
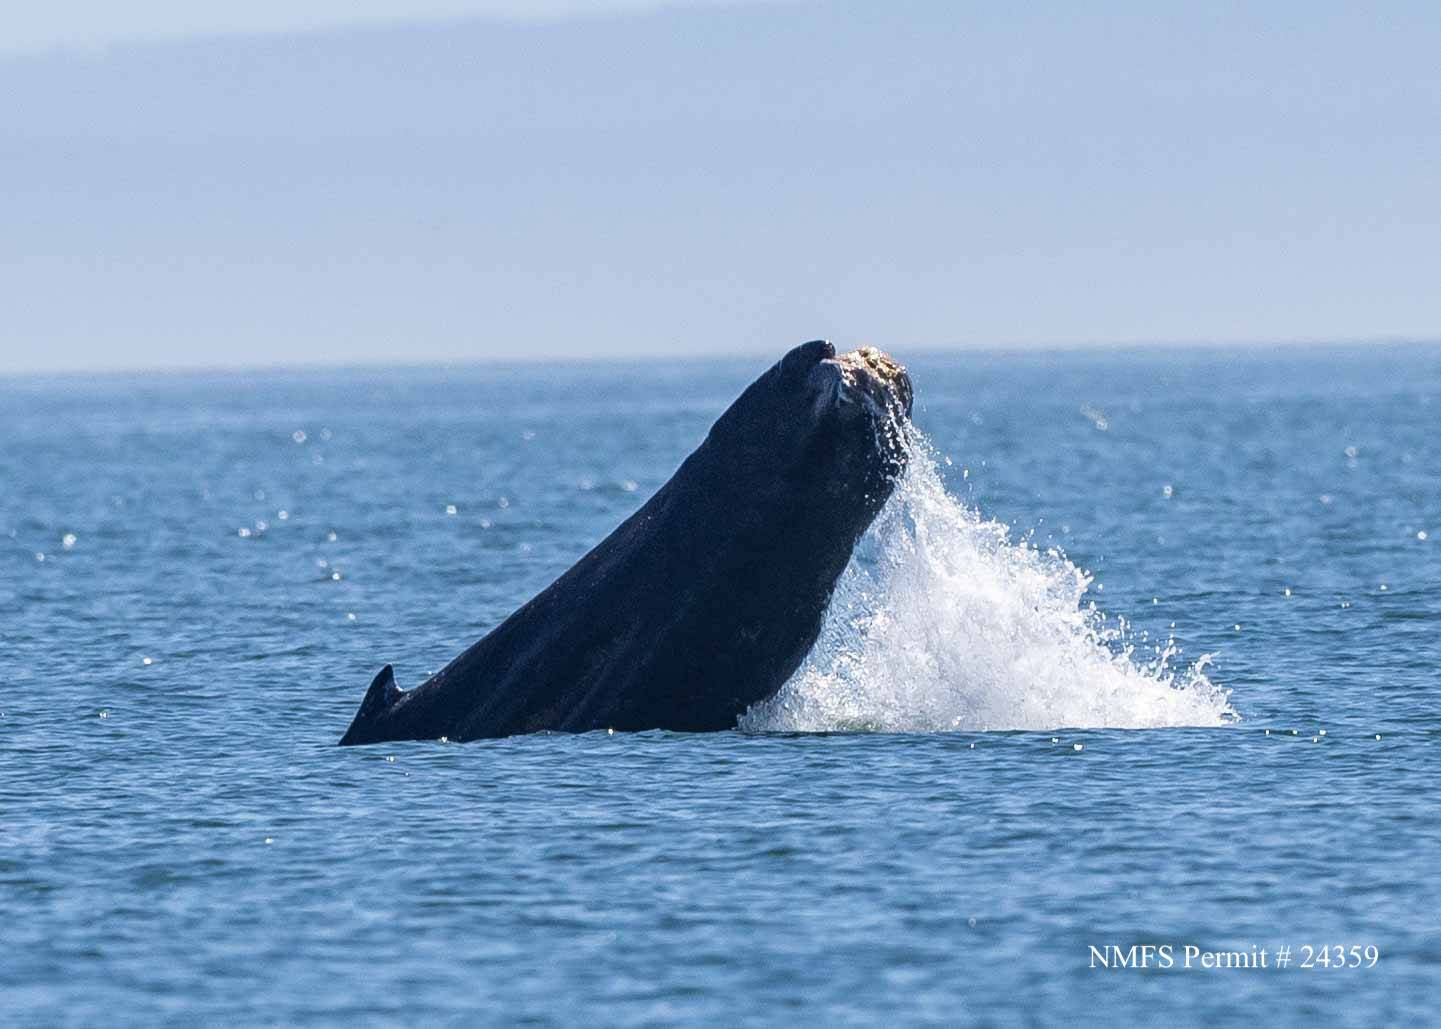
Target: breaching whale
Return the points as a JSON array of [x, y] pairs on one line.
[[708, 598]]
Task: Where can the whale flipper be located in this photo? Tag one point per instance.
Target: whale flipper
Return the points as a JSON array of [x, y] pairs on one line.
[[379, 698]]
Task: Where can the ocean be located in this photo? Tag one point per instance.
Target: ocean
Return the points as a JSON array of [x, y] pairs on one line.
[[1140, 660]]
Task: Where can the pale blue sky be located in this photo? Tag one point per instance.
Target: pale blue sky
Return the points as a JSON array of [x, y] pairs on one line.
[[676, 178]]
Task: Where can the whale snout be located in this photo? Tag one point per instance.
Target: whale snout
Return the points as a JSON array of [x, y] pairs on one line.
[[865, 383], [880, 378]]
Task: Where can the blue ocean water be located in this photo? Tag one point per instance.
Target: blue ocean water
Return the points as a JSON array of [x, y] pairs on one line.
[[974, 781]]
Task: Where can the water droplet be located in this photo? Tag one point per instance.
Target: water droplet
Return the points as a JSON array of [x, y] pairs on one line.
[[1097, 417], [922, 595]]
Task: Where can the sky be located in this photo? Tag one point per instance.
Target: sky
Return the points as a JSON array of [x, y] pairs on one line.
[[369, 181]]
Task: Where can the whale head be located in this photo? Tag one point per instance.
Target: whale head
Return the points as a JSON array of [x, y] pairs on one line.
[[821, 429], [761, 521]]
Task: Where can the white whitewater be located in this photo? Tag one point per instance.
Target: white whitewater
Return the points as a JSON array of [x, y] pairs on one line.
[[942, 622]]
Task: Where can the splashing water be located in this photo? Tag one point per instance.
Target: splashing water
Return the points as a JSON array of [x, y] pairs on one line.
[[941, 622]]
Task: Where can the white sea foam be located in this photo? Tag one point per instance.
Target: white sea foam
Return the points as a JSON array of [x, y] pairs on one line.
[[942, 621]]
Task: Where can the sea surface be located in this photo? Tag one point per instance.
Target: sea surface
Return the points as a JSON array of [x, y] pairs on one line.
[[977, 777]]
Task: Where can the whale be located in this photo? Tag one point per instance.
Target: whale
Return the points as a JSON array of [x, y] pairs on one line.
[[705, 600]]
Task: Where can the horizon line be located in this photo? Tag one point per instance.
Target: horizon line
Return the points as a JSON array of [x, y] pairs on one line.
[[513, 360]]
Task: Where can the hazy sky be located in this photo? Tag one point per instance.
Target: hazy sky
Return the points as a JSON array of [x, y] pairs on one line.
[[58, 24], [355, 183]]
